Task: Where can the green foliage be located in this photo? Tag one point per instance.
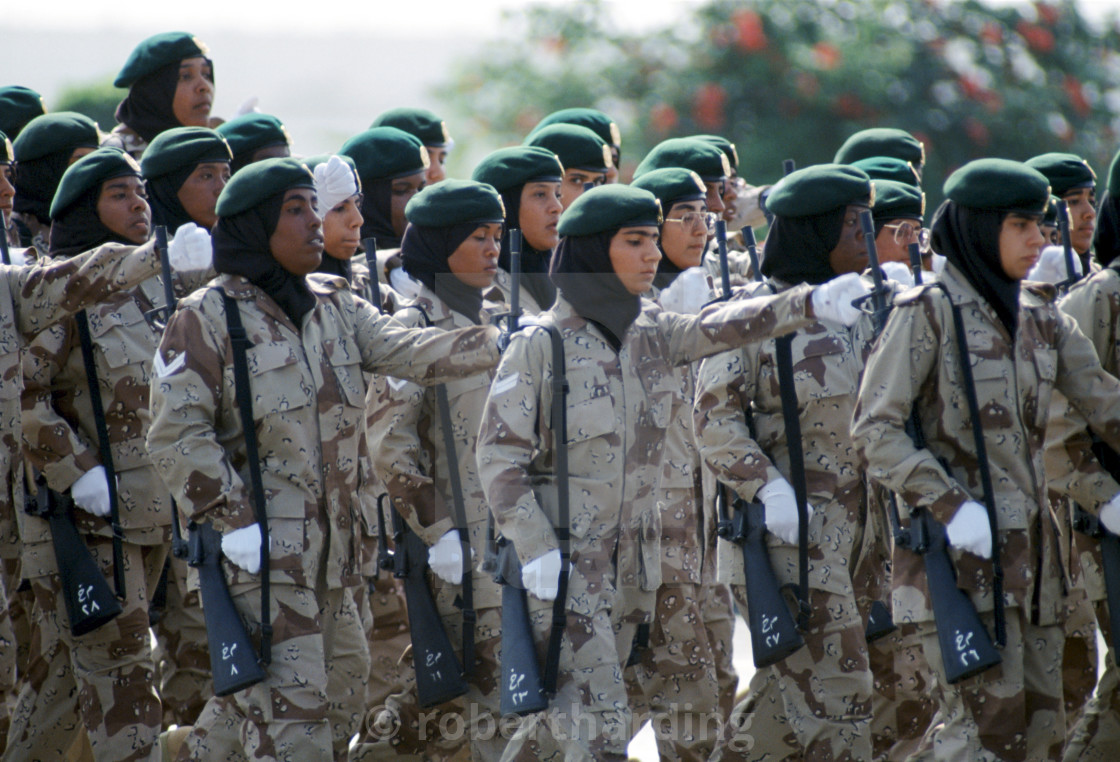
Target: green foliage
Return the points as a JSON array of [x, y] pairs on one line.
[[793, 78], [97, 99]]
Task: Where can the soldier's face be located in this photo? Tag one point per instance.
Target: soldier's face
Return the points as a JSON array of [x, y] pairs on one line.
[[402, 189], [683, 241], [297, 241], [342, 228], [122, 207], [1020, 242], [634, 257], [574, 180], [194, 93], [539, 214], [715, 196], [475, 262], [437, 157], [7, 190], [850, 252], [199, 192], [1082, 217]]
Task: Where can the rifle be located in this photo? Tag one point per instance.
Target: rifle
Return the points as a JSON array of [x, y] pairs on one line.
[[5, 255], [788, 166], [752, 252], [1067, 248], [233, 661], [373, 293], [384, 554]]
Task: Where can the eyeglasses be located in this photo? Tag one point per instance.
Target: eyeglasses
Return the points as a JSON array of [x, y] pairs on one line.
[[905, 232], [701, 220]]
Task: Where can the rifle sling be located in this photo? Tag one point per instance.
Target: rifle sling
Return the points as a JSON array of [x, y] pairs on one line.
[[106, 450], [563, 522], [239, 345], [791, 416]]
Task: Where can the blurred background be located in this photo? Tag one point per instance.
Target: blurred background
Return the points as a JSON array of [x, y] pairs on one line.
[[780, 78]]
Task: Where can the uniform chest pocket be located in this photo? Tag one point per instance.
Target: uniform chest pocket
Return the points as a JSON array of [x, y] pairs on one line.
[[345, 360], [993, 383], [277, 379], [122, 336], [590, 418], [1046, 366]]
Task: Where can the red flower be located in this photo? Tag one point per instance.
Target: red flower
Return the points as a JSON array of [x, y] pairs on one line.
[[977, 132], [1076, 96], [992, 33], [1047, 14], [849, 106], [751, 35], [826, 56], [1036, 37], [707, 106], [973, 90], [663, 117]]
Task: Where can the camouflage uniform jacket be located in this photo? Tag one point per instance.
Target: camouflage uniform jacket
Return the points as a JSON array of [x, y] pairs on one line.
[[59, 431], [308, 402], [502, 291], [618, 409], [126, 139], [916, 364], [827, 360], [32, 299], [406, 438]]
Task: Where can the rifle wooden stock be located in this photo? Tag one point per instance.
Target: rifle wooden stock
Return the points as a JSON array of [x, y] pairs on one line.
[[522, 689], [233, 659]]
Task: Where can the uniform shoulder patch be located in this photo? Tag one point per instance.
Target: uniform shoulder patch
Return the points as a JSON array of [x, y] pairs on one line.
[[164, 369], [1046, 293], [327, 284]]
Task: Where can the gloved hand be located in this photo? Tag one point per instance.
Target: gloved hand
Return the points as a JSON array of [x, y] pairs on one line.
[[748, 208], [189, 249], [1051, 266], [403, 284], [688, 293], [542, 576], [969, 529], [833, 300], [243, 547], [781, 510], [18, 256], [248, 106], [334, 183], [1110, 514], [937, 263], [446, 558], [899, 273], [91, 492]]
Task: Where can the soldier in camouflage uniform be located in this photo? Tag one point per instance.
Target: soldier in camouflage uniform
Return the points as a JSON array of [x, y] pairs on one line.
[[619, 355], [1021, 348], [596, 121], [585, 156], [429, 129], [311, 341]]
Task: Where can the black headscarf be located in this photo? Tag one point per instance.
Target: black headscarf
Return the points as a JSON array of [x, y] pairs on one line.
[[797, 248], [582, 271], [147, 109], [241, 247], [36, 183], [163, 196], [424, 254], [80, 229], [534, 263], [377, 206], [667, 271], [334, 266], [969, 239], [1106, 238]]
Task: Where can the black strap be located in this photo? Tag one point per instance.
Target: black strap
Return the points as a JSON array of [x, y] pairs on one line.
[[563, 519], [106, 450], [791, 416], [985, 470], [239, 344]]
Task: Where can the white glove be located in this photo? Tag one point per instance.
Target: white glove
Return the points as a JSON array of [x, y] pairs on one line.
[[969, 529], [1110, 514], [1051, 266], [189, 249], [18, 257], [688, 292], [899, 273], [833, 300], [781, 510], [248, 106], [403, 284], [243, 547], [91, 492], [334, 183], [937, 263], [446, 558], [748, 208], [541, 576]]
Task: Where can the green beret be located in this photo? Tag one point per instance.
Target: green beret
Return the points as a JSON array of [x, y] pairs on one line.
[[1065, 171], [510, 167], [252, 132], [1001, 185], [724, 145], [819, 189], [453, 202], [419, 122], [702, 157], [261, 180], [1114, 175], [51, 133], [671, 185], [183, 147], [889, 168], [88, 173], [610, 207], [576, 147], [385, 153], [18, 106], [882, 141], [894, 200], [159, 51], [594, 120], [8, 153]]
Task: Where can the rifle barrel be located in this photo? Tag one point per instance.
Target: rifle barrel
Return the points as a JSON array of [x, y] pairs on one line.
[[752, 252], [724, 269]]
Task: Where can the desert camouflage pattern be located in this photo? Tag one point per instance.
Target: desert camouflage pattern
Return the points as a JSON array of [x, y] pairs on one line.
[[1014, 388], [182, 655], [502, 291]]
